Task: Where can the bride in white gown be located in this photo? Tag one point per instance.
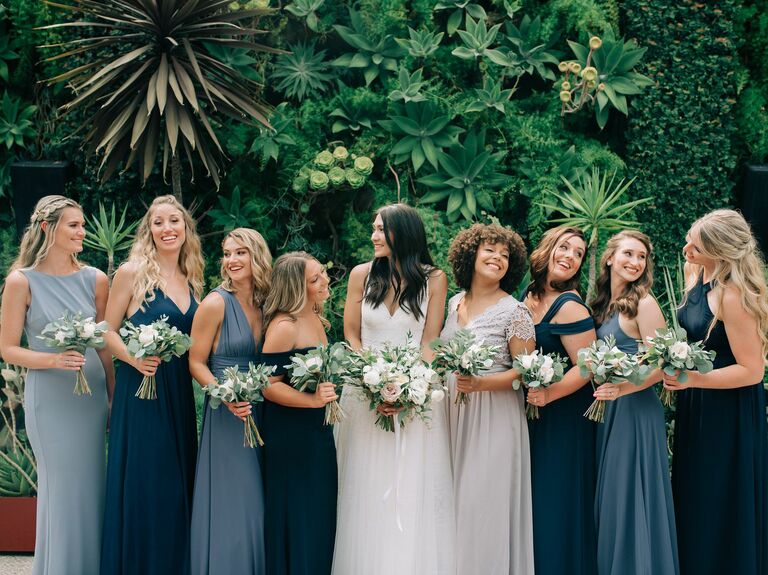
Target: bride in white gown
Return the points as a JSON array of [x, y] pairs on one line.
[[384, 304]]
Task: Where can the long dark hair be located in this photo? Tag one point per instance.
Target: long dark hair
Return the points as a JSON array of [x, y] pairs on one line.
[[407, 240]]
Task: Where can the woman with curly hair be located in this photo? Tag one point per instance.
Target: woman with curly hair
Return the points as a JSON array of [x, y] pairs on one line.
[[562, 439], [633, 501], [489, 436], [720, 454], [152, 443]]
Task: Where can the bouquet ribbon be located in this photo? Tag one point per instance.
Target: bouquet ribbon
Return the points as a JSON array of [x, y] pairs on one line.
[[399, 453]]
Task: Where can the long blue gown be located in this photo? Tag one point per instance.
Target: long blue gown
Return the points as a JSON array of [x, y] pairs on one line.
[[633, 503], [300, 484], [719, 463], [563, 466], [228, 505], [151, 462]]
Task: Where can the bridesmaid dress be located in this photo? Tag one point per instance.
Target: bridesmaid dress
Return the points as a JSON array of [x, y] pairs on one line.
[[66, 432], [300, 484], [563, 465], [633, 502], [151, 462], [491, 453], [719, 463], [227, 533]]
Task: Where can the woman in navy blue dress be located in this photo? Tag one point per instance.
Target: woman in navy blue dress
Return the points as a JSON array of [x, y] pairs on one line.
[[300, 480], [720, 455], [562, 439], [152, 443], [227, 534], [633, 503]]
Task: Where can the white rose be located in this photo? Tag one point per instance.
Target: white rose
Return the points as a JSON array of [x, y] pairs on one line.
[[466, 360], [546, 361], [527, 360], [391, 392], [60, 336], [417, 392], [146, 335], [371, 378], [547, 373], [680, 350], [437, 395], [314, 364], [419, 371], [88, 329]]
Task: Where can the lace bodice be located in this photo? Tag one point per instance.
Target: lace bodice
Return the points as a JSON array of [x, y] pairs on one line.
[[496, 325], [377, 327]]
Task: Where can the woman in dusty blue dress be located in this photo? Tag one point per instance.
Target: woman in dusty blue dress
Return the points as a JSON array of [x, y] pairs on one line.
[[227, 534], [152, 442], [66, 431], [300, 480], [720, 454], [633, 502], [562, 439]]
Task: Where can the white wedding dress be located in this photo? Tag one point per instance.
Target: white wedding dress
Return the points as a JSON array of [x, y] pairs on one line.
[[371, 499]]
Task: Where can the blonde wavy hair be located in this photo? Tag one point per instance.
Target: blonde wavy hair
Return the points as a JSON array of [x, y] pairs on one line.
[[725, 236], [261, 262], [289, 288], [36, 243], [144, 255]]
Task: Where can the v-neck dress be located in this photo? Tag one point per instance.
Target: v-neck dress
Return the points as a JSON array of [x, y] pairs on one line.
[[151, 461], [227, 532]]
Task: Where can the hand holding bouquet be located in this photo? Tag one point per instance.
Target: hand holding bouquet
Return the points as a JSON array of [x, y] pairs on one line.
[[537, 370], [669, 349], [73, 333], [606, 364], [157, 339], [236, 385], [319, 365], [464, 355]]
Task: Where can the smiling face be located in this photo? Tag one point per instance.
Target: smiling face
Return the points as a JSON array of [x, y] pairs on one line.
[[70, 231], [380, 247], [693, 252], [565, 260], [236, 261], [167, 227], [317, 282], [491, 261], [629, 260]]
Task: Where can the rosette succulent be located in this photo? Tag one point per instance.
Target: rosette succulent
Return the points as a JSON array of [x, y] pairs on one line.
[[336, 175], [363, 165], [324, 160], [318, 180], [354, 178], [340, 153]]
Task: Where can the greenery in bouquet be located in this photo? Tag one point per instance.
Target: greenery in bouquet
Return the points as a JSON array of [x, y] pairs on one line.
[[537, 370], [72, 332], [320, 365]]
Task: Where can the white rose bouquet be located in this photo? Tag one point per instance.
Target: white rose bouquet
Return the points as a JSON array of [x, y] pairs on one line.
[[157, 339], [396, 376], [75, 333], [669, 349], [537, 370], [236, 385], [319, 365], [606, 364], [464, 355]]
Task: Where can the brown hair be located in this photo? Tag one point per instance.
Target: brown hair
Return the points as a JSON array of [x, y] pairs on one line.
[[541, 255]]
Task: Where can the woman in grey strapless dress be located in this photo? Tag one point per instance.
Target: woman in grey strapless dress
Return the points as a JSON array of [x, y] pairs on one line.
[[66, 431], [228, 504], [634, 514]]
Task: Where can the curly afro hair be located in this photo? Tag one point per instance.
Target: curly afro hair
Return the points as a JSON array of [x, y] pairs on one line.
[[463, 254]]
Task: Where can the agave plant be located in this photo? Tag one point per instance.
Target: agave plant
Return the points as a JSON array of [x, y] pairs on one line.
[[522, 51], [421, 44], [490, 97], [302, 71], [110, 235], [410, 87], [459, 7], [593, 203], [16, 126], [149, 80], [477, 38]]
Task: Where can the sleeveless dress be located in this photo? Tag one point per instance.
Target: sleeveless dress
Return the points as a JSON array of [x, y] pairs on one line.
[[563, 465], [491, 454], [300, 484], [151, 462], [66, 432], [368, 540], [633, 502], [227, 533], [719, 463]]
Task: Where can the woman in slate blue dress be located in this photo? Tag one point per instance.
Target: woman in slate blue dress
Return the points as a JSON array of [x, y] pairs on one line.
[[300, 481], [66, 431], [633, 502], [562, 439], [152, 442], [227, 534], [720, 455]]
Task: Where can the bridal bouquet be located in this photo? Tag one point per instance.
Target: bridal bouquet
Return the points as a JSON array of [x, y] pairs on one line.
[[157, 339], [396, 376], [73, 333], [670, 350], [319, 365], [537, 370], [235, 385], [464, 355], [606, 364]]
